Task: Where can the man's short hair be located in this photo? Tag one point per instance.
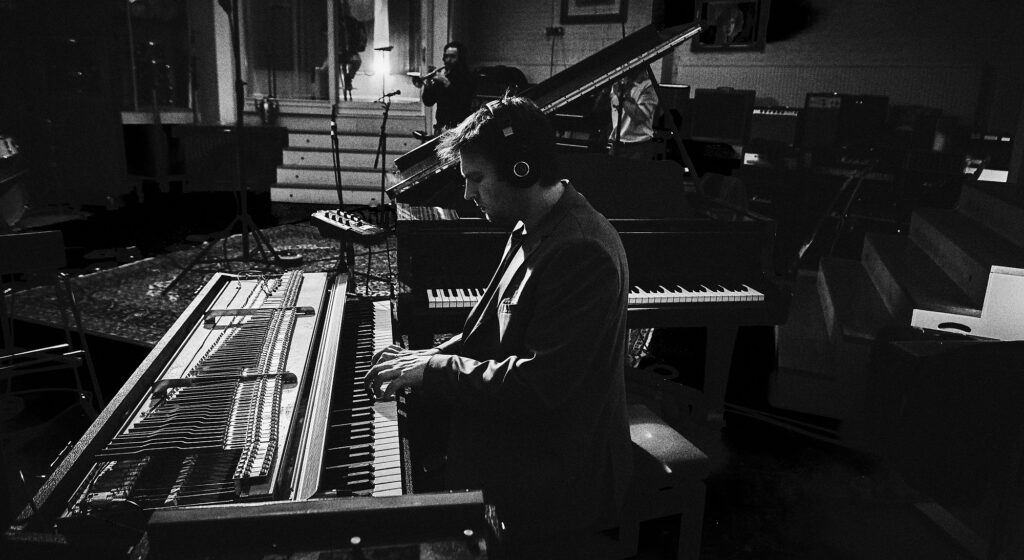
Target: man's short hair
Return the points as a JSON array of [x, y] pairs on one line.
[[505, 132], [456, 45]]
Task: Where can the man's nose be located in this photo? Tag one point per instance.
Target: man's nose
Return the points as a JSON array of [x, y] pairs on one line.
[[469, 193]]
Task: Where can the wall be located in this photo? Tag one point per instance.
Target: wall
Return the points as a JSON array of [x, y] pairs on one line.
[[961, 57], [927, 52], [201, 22], [511, 32]]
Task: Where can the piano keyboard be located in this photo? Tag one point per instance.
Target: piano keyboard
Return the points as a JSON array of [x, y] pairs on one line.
[[440, 298], [425, 213], [363, 455]]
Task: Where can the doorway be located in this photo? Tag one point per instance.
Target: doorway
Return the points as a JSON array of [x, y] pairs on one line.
[[289, 46]]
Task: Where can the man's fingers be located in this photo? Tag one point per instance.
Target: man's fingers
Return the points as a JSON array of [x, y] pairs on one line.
[[385, 354], [371, 376], [393, 388], [378, 379]]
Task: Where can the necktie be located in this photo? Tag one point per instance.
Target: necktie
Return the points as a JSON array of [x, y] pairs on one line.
[[516, 241]]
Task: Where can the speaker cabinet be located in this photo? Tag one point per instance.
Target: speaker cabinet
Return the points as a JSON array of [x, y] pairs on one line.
[[834, 119], [820, 126], [862, 119], [722, 115]]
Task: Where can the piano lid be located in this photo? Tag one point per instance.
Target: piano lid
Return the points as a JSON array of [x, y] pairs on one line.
[[640, 47]]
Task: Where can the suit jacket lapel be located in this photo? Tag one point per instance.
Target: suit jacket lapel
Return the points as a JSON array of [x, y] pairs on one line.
[[476, 315], [485, 308]]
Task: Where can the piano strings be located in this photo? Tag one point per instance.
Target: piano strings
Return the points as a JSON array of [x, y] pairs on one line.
[[206, 436]]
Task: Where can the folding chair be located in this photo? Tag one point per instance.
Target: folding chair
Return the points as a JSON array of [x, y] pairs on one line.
[[30, 374]]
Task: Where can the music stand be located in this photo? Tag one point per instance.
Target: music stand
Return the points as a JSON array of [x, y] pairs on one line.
[[242, 217]]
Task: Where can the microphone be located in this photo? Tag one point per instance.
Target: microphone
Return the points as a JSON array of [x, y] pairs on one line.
[[387, 48], [392, 94]]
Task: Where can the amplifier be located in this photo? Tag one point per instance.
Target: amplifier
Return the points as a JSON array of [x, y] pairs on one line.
[[675, 100], [820, 127], [834, 119], [862, 119], [776, 124], [722, 115]]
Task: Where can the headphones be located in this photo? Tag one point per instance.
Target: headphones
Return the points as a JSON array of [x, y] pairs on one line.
[[516, 157]]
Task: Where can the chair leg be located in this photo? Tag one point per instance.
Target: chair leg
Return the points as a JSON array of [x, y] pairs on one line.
[[64, 280]]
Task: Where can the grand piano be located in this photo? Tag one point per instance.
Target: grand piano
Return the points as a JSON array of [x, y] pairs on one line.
[[694, 262], [247, 431]]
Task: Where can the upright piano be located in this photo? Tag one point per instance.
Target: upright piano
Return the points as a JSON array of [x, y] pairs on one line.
[[693, 261], [249, 414]]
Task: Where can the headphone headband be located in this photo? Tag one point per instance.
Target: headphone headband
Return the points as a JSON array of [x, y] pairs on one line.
[[520, 167]]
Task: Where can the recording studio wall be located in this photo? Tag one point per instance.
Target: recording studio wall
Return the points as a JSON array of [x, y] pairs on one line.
[[922, 52], [65, 90]]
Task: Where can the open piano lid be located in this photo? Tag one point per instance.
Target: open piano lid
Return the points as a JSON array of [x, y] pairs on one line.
[[640, 47]]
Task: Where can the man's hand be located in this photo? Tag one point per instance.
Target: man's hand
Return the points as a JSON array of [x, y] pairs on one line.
[[393, 351], [442, 78], [390, 352], [401, 371]]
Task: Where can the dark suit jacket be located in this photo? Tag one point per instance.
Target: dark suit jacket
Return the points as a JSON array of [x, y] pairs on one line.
[[454, 103], [536, 381]]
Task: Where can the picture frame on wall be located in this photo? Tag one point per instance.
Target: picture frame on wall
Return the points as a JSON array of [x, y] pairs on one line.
[[731, 25], [593, 11]]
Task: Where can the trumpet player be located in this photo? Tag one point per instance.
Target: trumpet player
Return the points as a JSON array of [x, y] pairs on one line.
[[450, 87]]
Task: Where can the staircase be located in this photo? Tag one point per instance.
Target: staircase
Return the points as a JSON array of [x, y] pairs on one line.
[[306, 174], [956, 269]]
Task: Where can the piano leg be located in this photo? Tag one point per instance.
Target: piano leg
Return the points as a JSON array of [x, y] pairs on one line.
[[721, 342]]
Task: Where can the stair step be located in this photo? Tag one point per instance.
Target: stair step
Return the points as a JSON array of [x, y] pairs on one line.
[[324, 158], [907, 278], [324, 195], [999, 206], [322, 140], [358, 178], [851, 303], [363, 125], [963, 248]]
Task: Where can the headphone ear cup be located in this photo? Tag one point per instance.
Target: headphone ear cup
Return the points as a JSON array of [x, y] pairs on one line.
[[521, 172]]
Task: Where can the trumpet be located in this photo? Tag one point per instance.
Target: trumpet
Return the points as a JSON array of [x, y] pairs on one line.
[[419, 81]]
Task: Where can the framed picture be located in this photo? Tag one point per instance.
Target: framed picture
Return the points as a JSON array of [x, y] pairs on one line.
[[731, 25], [593, 11]]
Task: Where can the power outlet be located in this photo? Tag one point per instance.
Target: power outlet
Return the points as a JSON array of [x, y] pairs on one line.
[[554, 31]]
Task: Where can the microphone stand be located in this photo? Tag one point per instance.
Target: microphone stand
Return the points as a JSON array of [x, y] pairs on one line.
[[618, 122], [381, 157], [348, 255], [336, 157], [267, 253]]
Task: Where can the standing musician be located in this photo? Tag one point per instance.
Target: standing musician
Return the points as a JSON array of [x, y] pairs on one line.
[[535, 380], [451, 88], [633, 102]]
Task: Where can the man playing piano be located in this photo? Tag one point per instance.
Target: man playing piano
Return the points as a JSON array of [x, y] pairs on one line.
[[535, 380]]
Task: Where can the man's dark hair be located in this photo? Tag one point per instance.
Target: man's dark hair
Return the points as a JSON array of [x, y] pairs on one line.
[[505, 132], [461, 64]]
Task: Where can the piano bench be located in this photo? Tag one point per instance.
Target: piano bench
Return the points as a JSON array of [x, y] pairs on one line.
[[668, 479]]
